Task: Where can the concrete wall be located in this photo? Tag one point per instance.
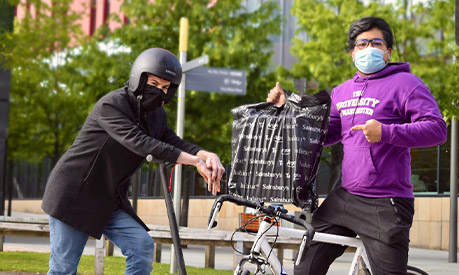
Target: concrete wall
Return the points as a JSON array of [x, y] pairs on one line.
[[430, 225]]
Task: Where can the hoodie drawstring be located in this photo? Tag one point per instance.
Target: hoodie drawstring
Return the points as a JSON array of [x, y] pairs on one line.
[[358, 100]]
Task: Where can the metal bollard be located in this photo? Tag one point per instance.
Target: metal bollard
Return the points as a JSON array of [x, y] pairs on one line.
[[239, 239], [100, 253]]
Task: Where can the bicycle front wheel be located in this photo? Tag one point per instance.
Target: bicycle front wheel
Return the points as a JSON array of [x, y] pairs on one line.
[[416, 271]]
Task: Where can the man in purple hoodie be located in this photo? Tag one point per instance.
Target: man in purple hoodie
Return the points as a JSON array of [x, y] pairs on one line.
[[378, 115]]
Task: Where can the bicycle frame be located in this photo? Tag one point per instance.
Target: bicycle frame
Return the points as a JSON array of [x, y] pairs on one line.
[[261, 244]]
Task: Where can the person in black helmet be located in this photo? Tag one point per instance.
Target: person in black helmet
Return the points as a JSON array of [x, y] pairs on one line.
[[86, 193]]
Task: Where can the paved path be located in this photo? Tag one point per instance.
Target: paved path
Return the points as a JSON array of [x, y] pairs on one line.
[[432, 261]]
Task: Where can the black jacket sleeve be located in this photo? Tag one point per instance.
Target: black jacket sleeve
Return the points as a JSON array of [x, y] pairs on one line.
[[117, 119], [173, 139], [168, 135]]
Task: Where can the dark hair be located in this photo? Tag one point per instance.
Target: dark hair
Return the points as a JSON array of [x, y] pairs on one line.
[[368, 23]]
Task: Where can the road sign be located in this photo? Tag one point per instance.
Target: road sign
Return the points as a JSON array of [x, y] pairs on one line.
[[218, 80], [198, 62]]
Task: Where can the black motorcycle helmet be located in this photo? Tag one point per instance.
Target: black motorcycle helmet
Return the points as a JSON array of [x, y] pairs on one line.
[[159, 62]]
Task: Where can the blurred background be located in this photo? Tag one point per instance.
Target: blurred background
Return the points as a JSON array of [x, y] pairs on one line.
[[59, 57]]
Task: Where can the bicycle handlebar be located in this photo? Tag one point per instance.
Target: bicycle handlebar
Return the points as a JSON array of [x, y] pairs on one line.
[[269, 210]]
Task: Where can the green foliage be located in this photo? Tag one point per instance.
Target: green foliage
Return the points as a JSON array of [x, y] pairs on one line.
[[229, 35], [424, 37], [49, 102], [38, 262], [45, 106], [6, 27], [7, 14], [435, 47], [325, 56]]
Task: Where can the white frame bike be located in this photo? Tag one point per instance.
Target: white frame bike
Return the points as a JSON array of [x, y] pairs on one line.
[[262, 255]]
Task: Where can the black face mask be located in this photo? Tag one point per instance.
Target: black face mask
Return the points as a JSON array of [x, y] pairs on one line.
[[152, 98]]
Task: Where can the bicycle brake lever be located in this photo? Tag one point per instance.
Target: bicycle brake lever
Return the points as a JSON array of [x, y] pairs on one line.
[[304, 244], [212, 221]]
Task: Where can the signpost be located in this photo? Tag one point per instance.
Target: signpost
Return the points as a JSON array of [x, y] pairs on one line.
[[219, 80], [183, 46], [195, 77], [193, 64]]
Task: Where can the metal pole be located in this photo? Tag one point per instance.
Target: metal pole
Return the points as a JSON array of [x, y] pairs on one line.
[[99, 258], [10, 188], [453, 195], [453, 166], [135, 189], [439, 189], [172, 222], [453, 188], [183, 44], [6, 25]]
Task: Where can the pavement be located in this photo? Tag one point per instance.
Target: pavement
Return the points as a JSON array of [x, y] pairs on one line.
[[434, 262]]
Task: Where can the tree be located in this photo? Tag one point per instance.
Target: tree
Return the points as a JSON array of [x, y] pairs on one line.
[[433, 61], [58, 73], [232, 38], [423, 37], [46, 104]]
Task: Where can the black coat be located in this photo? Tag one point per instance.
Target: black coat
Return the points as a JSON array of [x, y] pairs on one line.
[[91, 179]]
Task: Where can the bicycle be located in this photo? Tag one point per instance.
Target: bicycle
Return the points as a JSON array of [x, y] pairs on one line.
[[262, 255]]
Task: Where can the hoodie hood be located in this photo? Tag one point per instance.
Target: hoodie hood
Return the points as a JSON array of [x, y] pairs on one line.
[[391, 68]]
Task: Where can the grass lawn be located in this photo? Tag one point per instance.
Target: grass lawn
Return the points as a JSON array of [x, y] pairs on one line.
[[38, 262]]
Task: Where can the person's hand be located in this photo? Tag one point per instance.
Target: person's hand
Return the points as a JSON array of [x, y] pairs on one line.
[[204, 171], [371, 129], [213, 163], [196, 161], [276, 96]]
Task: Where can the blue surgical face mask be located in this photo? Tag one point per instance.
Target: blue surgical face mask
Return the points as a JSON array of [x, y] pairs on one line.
[[369, 60]]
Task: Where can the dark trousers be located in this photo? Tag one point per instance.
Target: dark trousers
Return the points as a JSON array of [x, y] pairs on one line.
[[383, 224]]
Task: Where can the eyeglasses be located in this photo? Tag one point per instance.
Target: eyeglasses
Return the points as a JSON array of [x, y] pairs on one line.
[[375, 43]]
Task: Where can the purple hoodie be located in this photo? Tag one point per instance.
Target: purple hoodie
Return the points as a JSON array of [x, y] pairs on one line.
[[410, 118]]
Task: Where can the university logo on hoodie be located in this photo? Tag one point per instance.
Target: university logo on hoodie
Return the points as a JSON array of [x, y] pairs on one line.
[[357, 105]]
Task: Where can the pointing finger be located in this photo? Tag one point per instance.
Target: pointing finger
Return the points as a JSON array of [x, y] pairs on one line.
[[358, 127]]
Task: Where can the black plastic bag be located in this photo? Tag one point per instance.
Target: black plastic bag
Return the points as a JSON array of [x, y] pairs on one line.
[[276, 151]]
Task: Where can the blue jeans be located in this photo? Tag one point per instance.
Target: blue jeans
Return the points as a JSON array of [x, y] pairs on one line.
[[67, 245]]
